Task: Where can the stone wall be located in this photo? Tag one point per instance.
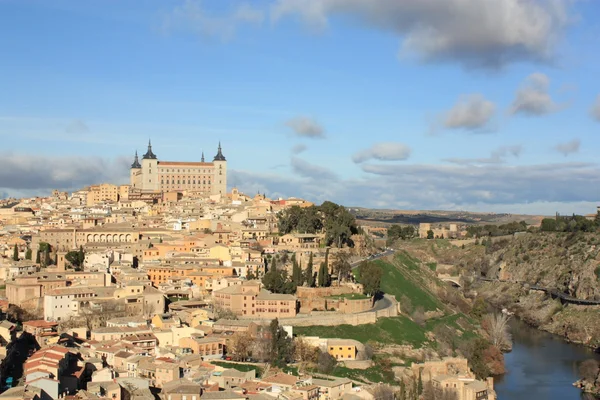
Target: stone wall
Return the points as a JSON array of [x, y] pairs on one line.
[[308, 292]]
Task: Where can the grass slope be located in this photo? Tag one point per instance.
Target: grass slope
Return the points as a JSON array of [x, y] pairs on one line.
[[399, 283], [395, 330]]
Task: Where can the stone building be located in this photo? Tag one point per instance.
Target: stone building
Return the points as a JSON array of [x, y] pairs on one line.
[[152, 175]]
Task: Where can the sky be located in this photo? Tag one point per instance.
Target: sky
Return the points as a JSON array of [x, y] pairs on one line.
[[479, 105]]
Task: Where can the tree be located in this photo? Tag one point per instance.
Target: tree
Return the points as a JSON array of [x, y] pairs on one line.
[[309, 278], [223, 313], [496, 326], [241, 346], [277, 281], [297, 277], [382, 392], [281, 345], [37, 257], [430, 234], [326, 362], [420, 384], [46, 257], [323, 276], [341, 265], [16, 253], [304, 352], [589, 370], [370, 277], [250, 275], [28, 254], [73, 258]]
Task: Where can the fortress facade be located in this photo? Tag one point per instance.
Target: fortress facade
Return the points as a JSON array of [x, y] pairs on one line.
[[152, 175]]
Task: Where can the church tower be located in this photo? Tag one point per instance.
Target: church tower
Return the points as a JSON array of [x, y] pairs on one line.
[[219, 184], [150, 171], [135, 173]]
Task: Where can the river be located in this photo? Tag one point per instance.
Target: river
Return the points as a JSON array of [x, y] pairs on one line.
[[541, 366]]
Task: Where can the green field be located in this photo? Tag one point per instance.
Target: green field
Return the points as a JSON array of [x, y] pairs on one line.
[[394, 330], [373, 374], [396, 283]]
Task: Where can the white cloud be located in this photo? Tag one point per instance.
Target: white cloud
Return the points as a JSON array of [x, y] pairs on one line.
[[533, 97], [474, 33], [539, 189], [387, 151], [298, 148], [306, 127], [23, 173], [312, 171], [497, 156], [595, 111], [568, 147], [471, 112], [193, 17]]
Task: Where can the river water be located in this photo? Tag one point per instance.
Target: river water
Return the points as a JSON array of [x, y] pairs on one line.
[[541, 366]]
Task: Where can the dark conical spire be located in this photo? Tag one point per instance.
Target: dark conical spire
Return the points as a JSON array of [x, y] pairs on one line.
[[219, 156], [136, 161], [149, 154], [202, 159]]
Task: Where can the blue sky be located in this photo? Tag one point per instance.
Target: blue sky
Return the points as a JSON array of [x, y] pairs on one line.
[[420, 104]]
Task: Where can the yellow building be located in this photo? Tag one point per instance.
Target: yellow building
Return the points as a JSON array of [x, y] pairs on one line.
[[342, 349], [152, 175], [104, 192]]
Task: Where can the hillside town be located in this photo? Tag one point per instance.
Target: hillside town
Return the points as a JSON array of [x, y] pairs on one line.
[[130, 292]]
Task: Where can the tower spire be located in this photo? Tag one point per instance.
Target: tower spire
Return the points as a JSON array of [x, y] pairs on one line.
[[149, 154], [136, 161], [202, 159], [219, 156]]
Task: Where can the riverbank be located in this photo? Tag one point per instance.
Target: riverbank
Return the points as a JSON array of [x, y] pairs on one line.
[[574, 323], [541, 366]]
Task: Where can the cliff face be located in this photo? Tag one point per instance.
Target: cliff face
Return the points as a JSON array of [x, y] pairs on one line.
[[567, 262]]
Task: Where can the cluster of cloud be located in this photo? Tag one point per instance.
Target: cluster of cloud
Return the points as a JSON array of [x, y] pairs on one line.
[[533, 97], [497, 156], [306, 127], [20, 173], [192, 16], [387, 151], [475, 33], [595, 111], [568, 147], [495, 186], [471, 112]]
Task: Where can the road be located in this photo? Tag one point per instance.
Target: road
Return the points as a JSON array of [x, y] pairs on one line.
[[383, 302], [388, 252]]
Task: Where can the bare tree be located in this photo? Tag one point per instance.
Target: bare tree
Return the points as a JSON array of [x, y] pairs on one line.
[[589, 370], [419, 316], [496, 325], [223, 313], [241, 345], [382, 392], [305, 352]]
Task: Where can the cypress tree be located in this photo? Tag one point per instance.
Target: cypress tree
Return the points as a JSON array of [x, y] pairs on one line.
[[16, 253], [81, 256], [37, 257], [28, 254], [310, 279]]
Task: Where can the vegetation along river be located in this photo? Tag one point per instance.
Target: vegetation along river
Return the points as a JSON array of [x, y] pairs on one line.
[[541, 366]]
